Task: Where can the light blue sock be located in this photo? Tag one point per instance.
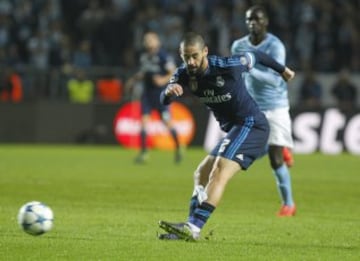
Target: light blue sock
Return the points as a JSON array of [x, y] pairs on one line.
[[283, 181]]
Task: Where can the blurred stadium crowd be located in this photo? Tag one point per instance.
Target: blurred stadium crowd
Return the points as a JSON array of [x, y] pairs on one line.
[[47, 41]]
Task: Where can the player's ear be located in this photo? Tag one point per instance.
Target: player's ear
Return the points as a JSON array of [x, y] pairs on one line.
[[205, 50], [266, 21], [180, 51]]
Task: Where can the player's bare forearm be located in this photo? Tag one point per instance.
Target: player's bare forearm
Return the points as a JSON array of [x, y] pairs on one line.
[[288, 74]]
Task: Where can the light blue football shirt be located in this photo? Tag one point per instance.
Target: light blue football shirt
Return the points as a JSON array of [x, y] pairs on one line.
[[265, 85]]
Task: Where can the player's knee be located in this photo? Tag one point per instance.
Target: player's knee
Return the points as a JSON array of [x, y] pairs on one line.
[[224, 169], [215, 175], [197, 174], [276, 161], [276, 157], [204, 168]]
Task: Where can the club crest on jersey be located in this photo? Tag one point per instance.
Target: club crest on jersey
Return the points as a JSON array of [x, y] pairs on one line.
[[193, 84], [220, 82], [243, 60]]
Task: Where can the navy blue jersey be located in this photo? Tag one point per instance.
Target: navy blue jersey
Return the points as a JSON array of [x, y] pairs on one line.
[[155, 64], [222, 89]]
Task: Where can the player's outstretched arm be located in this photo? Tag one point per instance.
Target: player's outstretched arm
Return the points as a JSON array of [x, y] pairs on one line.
[[171, 91], [268, 61]]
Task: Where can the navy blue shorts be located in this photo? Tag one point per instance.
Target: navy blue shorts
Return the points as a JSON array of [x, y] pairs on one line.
[[151, 101], [244, 143]]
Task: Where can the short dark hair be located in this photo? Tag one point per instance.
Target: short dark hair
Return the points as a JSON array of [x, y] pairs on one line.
[[258, 8], [192, 38]]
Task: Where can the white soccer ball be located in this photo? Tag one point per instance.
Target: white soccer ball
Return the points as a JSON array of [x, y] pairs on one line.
[[35, 218]]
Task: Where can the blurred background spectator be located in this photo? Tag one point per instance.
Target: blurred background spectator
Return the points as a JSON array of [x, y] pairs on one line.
[[11, 89], [310, 91], [80, 88], [42, 39], [109, 89], [345, 92]]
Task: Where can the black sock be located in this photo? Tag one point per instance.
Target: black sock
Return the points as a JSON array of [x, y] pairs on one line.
[[143, 140], [201, 214]]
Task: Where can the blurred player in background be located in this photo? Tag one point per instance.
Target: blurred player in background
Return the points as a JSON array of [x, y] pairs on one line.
[[270, 92], [156, 68], [218, 83]]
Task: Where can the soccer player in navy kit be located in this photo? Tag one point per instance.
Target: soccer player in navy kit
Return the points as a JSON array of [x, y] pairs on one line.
[[218, 83], [269, 90], [156, 68]]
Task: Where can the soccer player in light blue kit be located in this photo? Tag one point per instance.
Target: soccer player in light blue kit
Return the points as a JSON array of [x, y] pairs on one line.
[[270, 92], [218, 83]]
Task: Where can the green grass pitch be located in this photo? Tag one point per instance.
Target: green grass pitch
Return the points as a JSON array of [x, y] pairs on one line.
[[107, 208]]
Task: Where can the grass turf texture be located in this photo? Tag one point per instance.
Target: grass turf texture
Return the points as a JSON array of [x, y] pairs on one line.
[[107, 208]]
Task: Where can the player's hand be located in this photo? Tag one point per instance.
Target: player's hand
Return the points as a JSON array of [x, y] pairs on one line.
[[174, 89], [288, 74]]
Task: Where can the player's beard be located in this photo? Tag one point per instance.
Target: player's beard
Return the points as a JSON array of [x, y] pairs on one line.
[[197, 70]]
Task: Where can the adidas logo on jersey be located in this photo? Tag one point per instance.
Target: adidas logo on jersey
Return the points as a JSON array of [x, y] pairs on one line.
[[240, 156]]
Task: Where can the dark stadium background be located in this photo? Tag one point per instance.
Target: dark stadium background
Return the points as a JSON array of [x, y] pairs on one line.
[[46, 41]]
